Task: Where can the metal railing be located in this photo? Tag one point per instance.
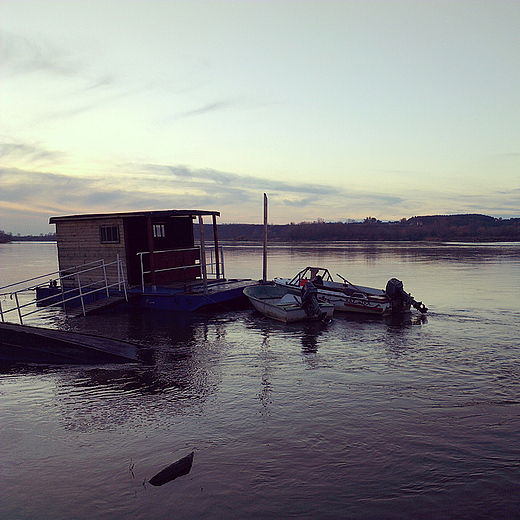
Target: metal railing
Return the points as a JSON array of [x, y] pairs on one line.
[[212, 264], [73, 284], [210, 268]]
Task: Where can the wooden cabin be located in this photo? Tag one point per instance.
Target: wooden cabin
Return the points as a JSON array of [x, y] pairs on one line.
[[154, 247]]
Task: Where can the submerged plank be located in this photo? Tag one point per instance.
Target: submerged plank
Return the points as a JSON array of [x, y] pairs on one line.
[[173, 471], [23, 343]]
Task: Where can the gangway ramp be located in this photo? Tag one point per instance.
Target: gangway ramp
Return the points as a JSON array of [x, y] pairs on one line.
[[96, 306], [76, 290]]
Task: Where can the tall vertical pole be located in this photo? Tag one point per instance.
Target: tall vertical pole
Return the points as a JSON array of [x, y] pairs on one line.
[[264, 277]]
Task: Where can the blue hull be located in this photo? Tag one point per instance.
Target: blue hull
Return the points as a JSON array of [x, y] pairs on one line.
[[224, 294], [163, 298], [46, 296]]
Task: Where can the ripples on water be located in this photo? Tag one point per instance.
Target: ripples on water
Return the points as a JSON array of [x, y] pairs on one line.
[[364, 418]]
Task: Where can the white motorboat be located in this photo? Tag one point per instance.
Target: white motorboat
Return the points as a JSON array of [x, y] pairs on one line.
[[348, 297]]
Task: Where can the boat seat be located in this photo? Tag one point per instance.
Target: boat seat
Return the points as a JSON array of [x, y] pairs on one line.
[[289, 299]]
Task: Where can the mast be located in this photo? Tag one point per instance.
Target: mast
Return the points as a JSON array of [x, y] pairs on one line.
[[264, 278]]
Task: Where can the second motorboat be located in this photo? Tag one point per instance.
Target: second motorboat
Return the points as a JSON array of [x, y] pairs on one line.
[[348, 297]]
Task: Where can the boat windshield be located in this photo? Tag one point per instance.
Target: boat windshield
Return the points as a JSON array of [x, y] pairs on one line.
[[310, 274]]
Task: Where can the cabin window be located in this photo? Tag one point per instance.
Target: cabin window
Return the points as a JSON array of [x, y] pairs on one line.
[[109, 234], [159, 230]]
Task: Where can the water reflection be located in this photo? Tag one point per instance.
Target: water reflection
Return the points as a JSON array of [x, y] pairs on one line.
[[414, 251], [181, 368], [267, 387], [311, 332]]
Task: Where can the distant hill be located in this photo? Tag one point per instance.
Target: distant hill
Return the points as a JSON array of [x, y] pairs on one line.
[[456, 220], [445, 228]]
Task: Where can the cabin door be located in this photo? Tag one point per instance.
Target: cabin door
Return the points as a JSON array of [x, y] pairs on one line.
[[136, 239]]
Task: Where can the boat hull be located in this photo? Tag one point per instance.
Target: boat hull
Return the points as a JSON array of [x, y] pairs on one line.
[[280, 304], [376, 305], [347, 297], [222, 294]]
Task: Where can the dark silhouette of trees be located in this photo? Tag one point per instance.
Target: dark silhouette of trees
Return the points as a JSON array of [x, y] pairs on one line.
[[5, 238], [443, 228], [440, 228]]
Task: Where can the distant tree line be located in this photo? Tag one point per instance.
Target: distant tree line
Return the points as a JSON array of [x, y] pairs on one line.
[[5, 238], [443, 228]]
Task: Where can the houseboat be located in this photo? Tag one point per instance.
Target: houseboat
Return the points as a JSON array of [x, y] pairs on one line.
[[151, 255]]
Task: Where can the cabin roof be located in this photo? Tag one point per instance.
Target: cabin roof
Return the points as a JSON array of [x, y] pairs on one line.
[[158, 213]]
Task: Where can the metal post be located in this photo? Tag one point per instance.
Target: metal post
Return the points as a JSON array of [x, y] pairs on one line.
[[1, 312], [124, 288], [222, 260], [215, 239], [119, 273], [81, 295], [62, 292], [142, 271], [121, 277], [105, 276], [150, 248], [203, 255], [18, 307]]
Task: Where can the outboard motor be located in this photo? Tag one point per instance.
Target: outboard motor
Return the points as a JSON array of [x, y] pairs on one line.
[[395, 291], [310, 303]]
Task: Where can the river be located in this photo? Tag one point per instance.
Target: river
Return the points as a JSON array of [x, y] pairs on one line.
[[364, 418]]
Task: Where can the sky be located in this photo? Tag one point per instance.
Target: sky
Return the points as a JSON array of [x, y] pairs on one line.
[[335, 109]]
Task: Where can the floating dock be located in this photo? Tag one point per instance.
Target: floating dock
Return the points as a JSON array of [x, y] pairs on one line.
[[193, 296]]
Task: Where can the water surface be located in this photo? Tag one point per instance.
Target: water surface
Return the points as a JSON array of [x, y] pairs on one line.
[[365, 418]]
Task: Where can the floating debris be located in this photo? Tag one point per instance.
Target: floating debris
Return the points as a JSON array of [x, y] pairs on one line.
[[171, 472]]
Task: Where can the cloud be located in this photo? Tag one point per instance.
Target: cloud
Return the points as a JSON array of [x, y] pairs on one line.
[[162, 185], [300, 203], [211, 107], [34, 194], [23, 56], [28, 153], [225, 179], [102, 82], [100, 92]]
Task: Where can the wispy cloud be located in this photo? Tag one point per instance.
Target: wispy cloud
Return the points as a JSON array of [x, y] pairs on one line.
[[210, 107], [33, 193], [27, 153], [155, 186], [225, 179], [22, 56]]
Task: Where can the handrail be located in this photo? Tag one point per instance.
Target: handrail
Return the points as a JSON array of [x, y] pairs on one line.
[[68, 293], [47, 275], [212, 264]]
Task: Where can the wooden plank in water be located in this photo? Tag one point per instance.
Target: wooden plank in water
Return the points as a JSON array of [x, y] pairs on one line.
[[22, 343]]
